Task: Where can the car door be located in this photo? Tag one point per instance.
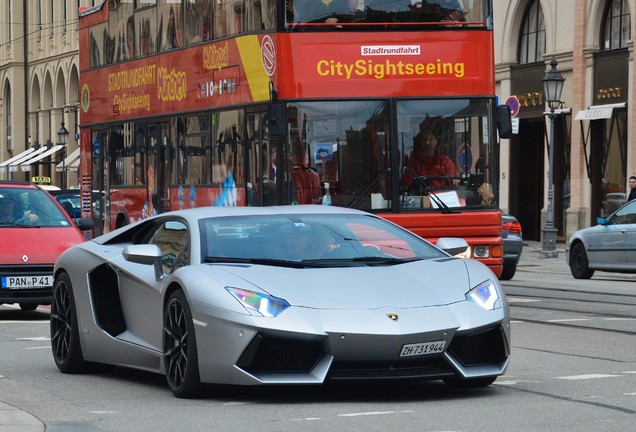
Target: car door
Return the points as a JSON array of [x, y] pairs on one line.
[[628, 215], [139, 289], [607, 247]]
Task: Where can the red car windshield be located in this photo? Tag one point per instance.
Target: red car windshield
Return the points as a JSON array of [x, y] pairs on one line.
[[29, 207]]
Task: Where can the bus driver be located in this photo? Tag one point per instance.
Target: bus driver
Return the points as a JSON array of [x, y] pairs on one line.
[[427, 160]]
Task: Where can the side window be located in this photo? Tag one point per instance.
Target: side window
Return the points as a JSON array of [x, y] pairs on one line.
[[172, 238]]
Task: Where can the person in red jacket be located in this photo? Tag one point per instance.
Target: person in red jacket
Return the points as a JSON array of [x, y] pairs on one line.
[[427, 160]]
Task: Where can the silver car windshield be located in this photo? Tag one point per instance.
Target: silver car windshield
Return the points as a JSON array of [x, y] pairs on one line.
[[311, 238]]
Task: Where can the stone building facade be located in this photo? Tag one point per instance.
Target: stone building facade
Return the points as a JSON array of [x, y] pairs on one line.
[[594, 145], [39, 88]]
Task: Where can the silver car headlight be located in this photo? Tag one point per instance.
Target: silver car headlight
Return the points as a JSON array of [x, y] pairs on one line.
[[262, 304], [485, 295]]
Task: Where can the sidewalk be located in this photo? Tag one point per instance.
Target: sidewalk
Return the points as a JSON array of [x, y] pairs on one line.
[[15, 420]]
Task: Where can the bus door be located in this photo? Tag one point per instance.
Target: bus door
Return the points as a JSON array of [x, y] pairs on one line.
[[261, 186], [159, 166], [100, 200]]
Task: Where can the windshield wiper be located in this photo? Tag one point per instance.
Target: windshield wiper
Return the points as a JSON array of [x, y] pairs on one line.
[[260, 261], [18, 225]]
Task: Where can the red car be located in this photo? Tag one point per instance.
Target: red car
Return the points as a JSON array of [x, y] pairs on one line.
[[34, 231]]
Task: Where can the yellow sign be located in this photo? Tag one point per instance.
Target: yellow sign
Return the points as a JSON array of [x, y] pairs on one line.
[[41, 180]]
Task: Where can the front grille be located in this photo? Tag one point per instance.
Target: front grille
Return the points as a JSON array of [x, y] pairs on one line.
[[484, 348], [424, 368], [18, 269], [266, 354]]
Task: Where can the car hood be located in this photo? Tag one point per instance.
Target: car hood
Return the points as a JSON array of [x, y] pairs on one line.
[[36, 245], [416, 284]]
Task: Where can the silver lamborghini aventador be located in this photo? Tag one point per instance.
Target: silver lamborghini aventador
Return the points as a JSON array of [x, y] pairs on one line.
[[278, 295]]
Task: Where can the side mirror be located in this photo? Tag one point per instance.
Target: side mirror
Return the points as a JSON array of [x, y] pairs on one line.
[[277, 119], [456, 247], [147, 254], [504, 121], [601, 221], [84, 224]]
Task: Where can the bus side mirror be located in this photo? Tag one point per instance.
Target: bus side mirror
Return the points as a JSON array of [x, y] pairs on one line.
[[276, 119], [504, 121]]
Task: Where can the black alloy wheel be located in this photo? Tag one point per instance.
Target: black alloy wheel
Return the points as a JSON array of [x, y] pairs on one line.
[[579, 264], [65, 342], [180, 348]]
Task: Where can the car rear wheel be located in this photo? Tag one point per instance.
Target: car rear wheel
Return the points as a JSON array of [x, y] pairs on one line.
[[579, 265], [508, 272], [180, 348], [65, 342], [28, 306]]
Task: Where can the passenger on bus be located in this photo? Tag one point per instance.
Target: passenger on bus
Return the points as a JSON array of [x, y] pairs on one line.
[[427, 160]]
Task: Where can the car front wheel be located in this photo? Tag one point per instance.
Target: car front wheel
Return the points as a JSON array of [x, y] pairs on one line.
[[579, 264], [65, 342], [180, 348]]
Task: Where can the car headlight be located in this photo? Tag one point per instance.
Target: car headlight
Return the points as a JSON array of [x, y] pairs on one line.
[[263, 304], [485, 295]]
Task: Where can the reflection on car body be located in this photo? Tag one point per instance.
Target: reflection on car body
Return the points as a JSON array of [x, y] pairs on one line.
[[609, 246], [278, 295]]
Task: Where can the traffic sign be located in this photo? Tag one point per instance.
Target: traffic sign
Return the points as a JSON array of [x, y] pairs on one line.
[[513, 103]]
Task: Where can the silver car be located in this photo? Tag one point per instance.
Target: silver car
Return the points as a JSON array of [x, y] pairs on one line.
[[609, 246], [278, 295]]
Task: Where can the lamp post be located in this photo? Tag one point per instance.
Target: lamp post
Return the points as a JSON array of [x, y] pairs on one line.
[[552, 88], [63, 134]]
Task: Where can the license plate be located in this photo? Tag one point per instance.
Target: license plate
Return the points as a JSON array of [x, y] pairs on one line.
[[27, 282], [423, 348]]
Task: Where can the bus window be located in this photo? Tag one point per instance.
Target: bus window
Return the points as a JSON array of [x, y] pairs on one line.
[[198, 21], [170, 23]]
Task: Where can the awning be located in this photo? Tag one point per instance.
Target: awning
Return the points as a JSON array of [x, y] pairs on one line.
[[13, 166], [560, 111], [69, 162], [26, 165], [598, 112], [22, 155]]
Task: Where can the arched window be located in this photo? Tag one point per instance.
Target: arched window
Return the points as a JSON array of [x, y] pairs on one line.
[[617, 24], [532, 41]]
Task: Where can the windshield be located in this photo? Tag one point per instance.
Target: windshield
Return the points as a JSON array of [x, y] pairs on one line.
[[362, 12], [29, 207], [311, 238], [425, 155]]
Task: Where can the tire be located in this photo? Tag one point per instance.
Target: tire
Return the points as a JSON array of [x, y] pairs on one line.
[[469, 382], [180, 348], [579, 264], [28, 306], [65, 342], [508, 271]]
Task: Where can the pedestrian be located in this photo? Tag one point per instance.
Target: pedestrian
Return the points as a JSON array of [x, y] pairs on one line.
[[632, 186]]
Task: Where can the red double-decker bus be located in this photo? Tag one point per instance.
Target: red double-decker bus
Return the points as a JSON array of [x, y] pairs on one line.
[[189, 103]]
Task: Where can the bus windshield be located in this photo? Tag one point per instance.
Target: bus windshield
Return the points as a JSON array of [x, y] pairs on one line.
[[384, 11], [439, 158]]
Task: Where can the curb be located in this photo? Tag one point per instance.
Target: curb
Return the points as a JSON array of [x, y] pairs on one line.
[[15, 420]]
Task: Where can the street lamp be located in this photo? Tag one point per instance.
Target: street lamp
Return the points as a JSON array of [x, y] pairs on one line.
[[63, 134], [552, 88]]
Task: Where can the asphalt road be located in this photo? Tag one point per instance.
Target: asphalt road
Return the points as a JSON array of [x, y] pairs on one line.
[[573, 368]]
